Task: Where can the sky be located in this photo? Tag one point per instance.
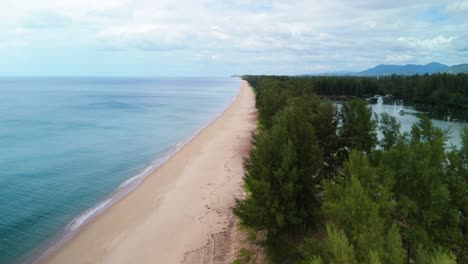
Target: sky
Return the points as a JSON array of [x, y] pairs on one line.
[[221, 38]]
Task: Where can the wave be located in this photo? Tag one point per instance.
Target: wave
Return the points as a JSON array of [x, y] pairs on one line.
[[87, 215]]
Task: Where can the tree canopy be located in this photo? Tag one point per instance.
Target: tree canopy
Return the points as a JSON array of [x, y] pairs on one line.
[[325, 190]]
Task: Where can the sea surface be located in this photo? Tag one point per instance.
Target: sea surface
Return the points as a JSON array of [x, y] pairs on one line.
[[68, 146]]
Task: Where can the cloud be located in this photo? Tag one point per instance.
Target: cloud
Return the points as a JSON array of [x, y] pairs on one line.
[[46, 20], [263, 36], [384, 4], [435, 43], [457, 7], [399, 58], [149, 37]]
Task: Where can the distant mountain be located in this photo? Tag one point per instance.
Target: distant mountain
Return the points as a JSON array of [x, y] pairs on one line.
[[408, 69], [460, 68]]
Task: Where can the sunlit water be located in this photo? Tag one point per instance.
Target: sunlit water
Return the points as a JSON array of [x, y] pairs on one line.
[[67, 143]]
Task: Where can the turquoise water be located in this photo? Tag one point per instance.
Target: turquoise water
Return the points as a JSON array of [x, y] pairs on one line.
[[67, 143]]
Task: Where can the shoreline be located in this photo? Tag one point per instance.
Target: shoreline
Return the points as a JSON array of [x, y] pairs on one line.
[[69, 243], [42, 253]]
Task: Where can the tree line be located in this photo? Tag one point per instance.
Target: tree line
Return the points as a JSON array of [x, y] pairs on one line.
[[442, 95], [326, 190]]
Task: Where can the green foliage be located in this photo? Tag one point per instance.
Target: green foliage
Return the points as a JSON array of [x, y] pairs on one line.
[[313, 166], [464, 148], [336, 249], [323, 117], [390, 129], [374, 258], [421, 190], [439, 256], [325, 122], [458, 186], [424, 131], [315, 260], [272, 100], [244, 256], [358, 129], [443, 95], [393, 247], [359, 205], [281, 175]]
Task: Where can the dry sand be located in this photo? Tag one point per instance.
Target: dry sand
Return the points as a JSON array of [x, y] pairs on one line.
[[182, 212]]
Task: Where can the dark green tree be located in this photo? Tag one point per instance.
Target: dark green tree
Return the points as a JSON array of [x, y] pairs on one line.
[[457, 180], [437, 256], [281, 175], [405, 201], [425, 213], [325, 122], [361, 206], [272, 100], [390, 129], [335, 249], [338, 249], [358, 129], [323, 117]]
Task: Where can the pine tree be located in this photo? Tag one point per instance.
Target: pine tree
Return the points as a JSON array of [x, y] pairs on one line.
[[351, 208], [281, 175], [438, 256], [390, 129], [457, 177], [374, 258], [325, 122], [358, 129], [425, 213], [338, 248], [393, 248], [272, 100], [361, 205]]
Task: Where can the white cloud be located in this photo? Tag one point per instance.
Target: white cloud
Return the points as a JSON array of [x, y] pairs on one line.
[[371, 24], [456, 7], [150, 37], [404, 58], [250, 35], [435, 43]]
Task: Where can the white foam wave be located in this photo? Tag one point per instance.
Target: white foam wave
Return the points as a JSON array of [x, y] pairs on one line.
[[77, 222], [137, 177]]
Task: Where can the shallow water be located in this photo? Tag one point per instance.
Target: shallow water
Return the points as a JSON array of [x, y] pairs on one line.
[[68, 143]]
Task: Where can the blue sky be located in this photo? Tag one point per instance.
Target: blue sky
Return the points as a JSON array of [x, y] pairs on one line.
[[220, 38]]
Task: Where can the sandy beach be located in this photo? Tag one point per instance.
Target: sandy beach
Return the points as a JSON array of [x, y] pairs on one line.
[[181, 213]]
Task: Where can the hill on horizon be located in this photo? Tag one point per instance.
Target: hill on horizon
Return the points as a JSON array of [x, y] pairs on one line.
[[407, 69], [460, 68]]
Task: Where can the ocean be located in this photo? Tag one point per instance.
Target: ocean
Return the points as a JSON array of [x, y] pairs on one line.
[[69, 147]]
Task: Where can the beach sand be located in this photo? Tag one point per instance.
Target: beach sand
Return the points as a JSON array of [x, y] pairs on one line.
[[182, 212]]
